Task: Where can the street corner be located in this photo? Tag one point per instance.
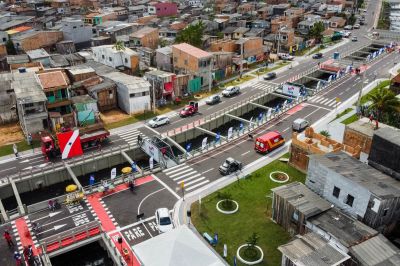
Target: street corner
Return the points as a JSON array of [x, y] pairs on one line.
[[126, 207]]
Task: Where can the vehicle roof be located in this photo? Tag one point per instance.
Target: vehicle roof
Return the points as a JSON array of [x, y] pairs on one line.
[[230, 159], [269, 135], [299, 120], [163, 212], [161, 116]]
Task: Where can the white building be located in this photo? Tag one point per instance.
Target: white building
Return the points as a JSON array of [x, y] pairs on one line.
[[337, 8], [133, 92], [108, 55], [75, 30]]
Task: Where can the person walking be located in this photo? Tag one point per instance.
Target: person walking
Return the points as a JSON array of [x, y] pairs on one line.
[[8, 238], [15, 149], [30, 142], [18, 258]]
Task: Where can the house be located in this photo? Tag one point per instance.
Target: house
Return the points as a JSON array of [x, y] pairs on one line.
[[376, 251], [163, 84], [77, 31], [245, 8], [337, 22], [116, 30], [138, 10], [356, 188], [123, 60], [31, 102], [188, 59], [37, 39], [58, 61], [304, 26], [314, 143], [228, 32], [146, 37], [311, 249], [223, 62], [385, 151], [252, 48], [105, 93], [133, 92], [239, 33], [85, 109], [8, 112], [146, 57], [164, 59], [39, 55], [100, 41], [293, 204], [163, 9], [98, 18]]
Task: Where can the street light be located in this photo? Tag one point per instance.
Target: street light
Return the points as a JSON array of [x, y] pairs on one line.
[[360, 92]]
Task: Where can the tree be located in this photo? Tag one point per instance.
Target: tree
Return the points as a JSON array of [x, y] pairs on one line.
[[10, 47], [192, 34], [119, 47], [316, 31], [352, 19], [384, 101], [325, 133]]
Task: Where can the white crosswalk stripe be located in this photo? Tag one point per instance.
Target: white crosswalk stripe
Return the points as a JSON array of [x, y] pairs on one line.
[[131, 136], [324, 101], [186, 174], [264, 86]]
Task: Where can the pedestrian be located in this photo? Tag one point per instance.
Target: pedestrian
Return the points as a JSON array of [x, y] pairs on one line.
[[15, 149], [371, 118], [30, 142], [8, 238], [52, 205], [18, 258]]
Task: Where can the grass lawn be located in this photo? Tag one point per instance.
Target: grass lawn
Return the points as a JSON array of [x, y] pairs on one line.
[[364, 99], [350, 119], [253, 216], [22, 146], [343, 113]]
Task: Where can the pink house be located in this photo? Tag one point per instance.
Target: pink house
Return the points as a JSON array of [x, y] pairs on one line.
[[164, 9]]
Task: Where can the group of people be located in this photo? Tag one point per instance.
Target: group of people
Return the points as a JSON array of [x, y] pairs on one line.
[[17, 256]]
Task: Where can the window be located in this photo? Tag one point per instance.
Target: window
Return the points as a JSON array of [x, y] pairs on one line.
[[131, 95], [349, 200], [385, 211], [126, 60], [110, 59], [336, 192], [295, 216], [175, 59], [4, 39], [74, 27], [143, 93], [186, 62], [102, 56]]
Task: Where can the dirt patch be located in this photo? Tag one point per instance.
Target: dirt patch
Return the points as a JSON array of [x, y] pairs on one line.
[[279, 176], [113, 116], [10, 133]]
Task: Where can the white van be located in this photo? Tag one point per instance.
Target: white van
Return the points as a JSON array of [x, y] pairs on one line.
[[300, 124]]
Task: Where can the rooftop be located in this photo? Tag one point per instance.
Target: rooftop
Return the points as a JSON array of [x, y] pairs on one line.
[[377, 183], [167, 50], [54, 79], [17, 59], [27, 88], [37, 54], [306, 201], [143, 32], [347, 230], [312, 250], [377, 251], [390, 134], [134, 84], [192, 50], [82, 99]]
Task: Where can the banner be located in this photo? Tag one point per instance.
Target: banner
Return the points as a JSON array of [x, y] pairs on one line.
[[70, 144], [113, 173], [291, 89], [230, 131], [151, 163], [217, 137], [204, 143], [269, 112], [330, 78], [91, 180], [188, 147], [133, 167]]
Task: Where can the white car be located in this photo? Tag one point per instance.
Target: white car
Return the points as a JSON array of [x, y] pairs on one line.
[[230, 91], [348, 27], [159, 121], [163, 220], [356, 26]]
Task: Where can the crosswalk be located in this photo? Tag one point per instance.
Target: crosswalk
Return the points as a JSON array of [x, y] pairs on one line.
[[186, 174], [131, 136], [263, 85], [324, 101]]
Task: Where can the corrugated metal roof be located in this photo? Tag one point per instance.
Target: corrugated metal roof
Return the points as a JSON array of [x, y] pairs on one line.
[[192, 50], [134, 84]]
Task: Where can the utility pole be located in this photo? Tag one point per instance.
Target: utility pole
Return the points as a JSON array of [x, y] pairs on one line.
[[241, 59], [154, 97], [360, 92], [210, 75]]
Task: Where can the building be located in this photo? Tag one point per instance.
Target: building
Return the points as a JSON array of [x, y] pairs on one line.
[[37, 39], [145, 37], [163, 9], [116, 30], [191, 60], [55, 85], [39, 55], [164, 59], [252, 47], [125, 60], [133, 92], [314, 143], [337, 22], [162, 83], [31, 103], [77, 31], [85, 109], [99, 18], [105, 93], [385, 151], [356, 188], [146, 57], [311, 249], [8, 112]]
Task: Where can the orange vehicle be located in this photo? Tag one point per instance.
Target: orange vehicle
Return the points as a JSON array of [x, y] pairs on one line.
[[269, 142]]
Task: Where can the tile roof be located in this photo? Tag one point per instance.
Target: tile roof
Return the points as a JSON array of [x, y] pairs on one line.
[[192, 50], [53, 79]]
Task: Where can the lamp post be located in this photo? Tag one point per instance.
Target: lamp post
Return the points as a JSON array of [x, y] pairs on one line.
[[360, 92]]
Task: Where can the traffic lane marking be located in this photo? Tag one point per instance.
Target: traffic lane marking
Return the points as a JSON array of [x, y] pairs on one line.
[[207, 171], [147, 196], [140, 232]]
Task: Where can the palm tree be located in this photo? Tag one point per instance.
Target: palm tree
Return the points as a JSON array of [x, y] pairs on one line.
[[325, 133], [384, 101], [119, 47]]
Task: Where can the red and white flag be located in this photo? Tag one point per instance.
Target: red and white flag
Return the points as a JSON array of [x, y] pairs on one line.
[[70, 144]]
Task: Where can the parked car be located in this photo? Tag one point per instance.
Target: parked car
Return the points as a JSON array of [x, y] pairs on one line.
[[346, 34], [163, 220], [348, 27], [356, 26], [362, 22], [354, 39], [231, 91], [317, 56], [159, 121], [229, 166], [270, 75], [300, 124], [214, 99]]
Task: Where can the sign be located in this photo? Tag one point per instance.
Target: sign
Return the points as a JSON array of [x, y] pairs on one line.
[[291, 89], [230, 131], [70, 144], [285, 102], [260, 116], [330, 78], [338, 74], [225, 250], [338, 100], [216, 238], [204, 143], [133, 167], [91, 180], [269, 112], [182, 185], [151, 163], [188, 147], [241, 126], [217, 137], [113, 173]]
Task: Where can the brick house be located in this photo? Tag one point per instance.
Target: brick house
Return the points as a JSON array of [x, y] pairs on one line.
[[146, 37], [37, 39], [337, 22]]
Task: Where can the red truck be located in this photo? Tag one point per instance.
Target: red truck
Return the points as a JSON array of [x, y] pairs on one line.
[[89, 136], [189, 110], [269, 142]]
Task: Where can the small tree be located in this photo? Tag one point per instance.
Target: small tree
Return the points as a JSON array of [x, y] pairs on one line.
[[325, 133], [10, 47], [192, 34], [119, 46], [252, 240], [227, 203], [316, 31]]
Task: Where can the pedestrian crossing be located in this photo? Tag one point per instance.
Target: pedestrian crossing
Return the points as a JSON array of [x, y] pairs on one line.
[[324, 101], [131, 136], [267, 86], [186, 174]]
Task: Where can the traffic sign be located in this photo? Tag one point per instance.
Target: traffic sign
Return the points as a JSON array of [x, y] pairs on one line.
[[182, 185], [338, 100]]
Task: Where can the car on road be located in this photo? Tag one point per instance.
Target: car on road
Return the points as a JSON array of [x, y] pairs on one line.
[[268, 142], [231, 91], [229, 166], [300, 124], [214, 99], [163, 220], [285, 56], [190, 109], [317, 56], [270, 75], [159, 121], [346, 34], [348, 27], [356, 26], [354, 39]]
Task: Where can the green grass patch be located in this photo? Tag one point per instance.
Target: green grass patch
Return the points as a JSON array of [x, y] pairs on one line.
[[383, 84], [348, 110], [350, 119], [22, 146], [253, 195]]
